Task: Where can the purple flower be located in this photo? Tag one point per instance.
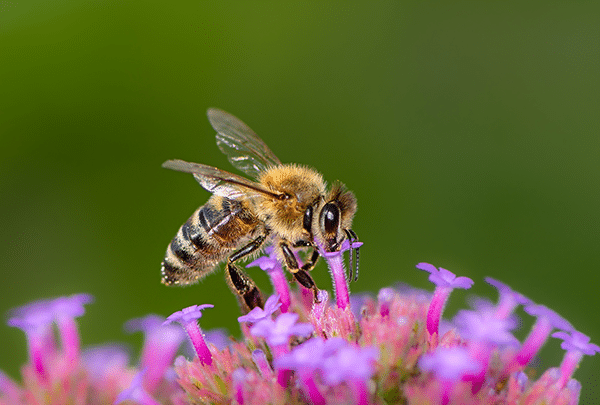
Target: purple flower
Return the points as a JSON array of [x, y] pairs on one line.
[[277, 334], [239, 377], [103, 361], [136, 392], [577, 345], [307, 359], [485, 332], [577, 342], [354, 366], [72, 306], [357, 303], [279, 331], [187, 314], [260, 360], [546, 321], [337, 361], [382, 353], [555, 319], [484, 326], [450, 365], [266, 263], [445, 278], [36, 319], [108, 370], [9, 390], [270, 264], [335, 262], [385, 297], [445, 282], [187, 318], [161, 343], [258, 314], [318, 309], [507, 299], [66, 309], [349, 363], [310, 356], [218, 337]]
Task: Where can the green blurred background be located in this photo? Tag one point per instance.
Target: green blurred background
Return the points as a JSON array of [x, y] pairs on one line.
[[468, 131]]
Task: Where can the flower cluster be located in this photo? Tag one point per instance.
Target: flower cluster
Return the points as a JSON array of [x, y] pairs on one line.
[[304, 349], [59, 372]]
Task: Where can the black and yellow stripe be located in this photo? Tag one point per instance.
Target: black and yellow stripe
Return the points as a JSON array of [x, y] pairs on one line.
[[207, 238]]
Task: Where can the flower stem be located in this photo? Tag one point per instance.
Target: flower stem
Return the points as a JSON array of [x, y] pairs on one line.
[[281, 287], [336, 266], [69, 338], [313, 392], [536, 339], [434, 313], [195, 334], [567, 367], [361, 392]]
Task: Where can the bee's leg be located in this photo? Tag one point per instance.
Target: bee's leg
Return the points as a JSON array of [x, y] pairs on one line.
[[299, 273], [308, 266], [352, 237], [249, 296]]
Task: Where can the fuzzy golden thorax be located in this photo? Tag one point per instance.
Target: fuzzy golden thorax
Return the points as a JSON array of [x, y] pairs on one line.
[[301, 187]]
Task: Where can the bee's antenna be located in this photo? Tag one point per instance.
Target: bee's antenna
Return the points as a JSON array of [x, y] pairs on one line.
[[354, 251], [356, 274], [350, 266]]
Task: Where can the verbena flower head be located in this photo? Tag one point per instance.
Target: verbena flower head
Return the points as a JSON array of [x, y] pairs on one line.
[[386, 349], [58, 372], [36, 320]]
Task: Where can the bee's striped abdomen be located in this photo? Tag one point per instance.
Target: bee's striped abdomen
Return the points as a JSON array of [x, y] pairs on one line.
[[208, 236]]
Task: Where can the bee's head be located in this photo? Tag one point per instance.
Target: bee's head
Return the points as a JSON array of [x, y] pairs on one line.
[[335, 218]]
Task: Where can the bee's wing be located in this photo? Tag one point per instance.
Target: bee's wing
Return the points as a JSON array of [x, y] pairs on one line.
[[244, 149], [219, 181]]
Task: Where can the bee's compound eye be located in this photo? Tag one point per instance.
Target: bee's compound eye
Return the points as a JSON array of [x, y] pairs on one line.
[[330, 216]]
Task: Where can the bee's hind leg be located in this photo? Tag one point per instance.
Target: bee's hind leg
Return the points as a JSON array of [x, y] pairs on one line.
[[244, 288], [246, 291]]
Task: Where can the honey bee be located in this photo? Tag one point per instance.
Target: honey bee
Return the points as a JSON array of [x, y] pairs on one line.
[[288, 205]]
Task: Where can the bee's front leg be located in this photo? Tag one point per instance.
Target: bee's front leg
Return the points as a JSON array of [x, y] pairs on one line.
[[312, 262], [308, 266], [300, 274], [248, 294]]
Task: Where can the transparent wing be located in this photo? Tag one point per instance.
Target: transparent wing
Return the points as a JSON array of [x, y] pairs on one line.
[[219, 181], [244, 149]]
